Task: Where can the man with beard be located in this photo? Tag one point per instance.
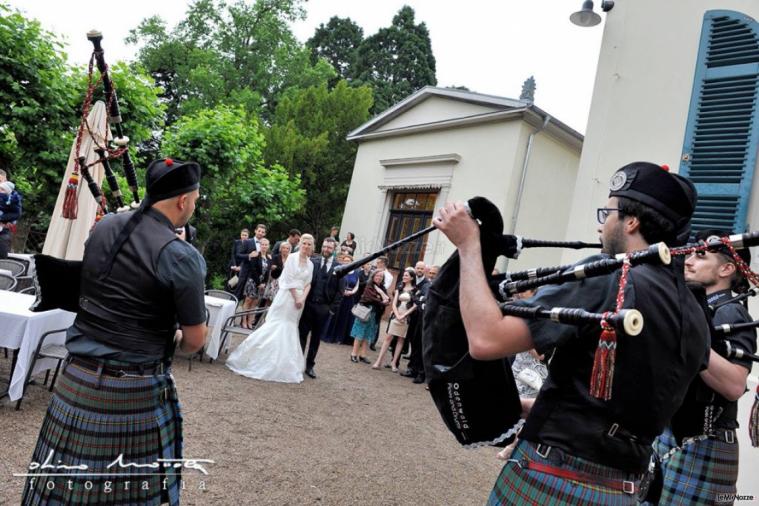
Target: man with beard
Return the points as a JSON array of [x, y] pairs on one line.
[[323, 300], [698, 454], [580, 446]]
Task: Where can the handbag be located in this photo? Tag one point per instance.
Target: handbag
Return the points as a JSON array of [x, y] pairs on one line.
[[233, 281], [362, 312]]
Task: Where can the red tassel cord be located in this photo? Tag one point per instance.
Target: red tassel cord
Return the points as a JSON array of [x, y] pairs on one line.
[[602, 376], [70, 204]]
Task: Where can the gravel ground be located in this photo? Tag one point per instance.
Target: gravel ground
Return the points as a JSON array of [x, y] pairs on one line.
[[352, 436]]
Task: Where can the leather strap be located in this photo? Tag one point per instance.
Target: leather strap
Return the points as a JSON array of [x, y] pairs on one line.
[[626, 486]]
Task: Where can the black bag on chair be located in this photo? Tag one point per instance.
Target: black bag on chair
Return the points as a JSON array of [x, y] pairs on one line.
[[57, 283]]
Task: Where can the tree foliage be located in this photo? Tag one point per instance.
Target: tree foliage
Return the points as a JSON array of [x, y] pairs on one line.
[[42, 97], [337, 42], [307, 136], [396, 61], [240, 54], [237, 187]]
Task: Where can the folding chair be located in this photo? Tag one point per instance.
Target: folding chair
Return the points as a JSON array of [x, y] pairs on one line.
[[233, 327], [16, 267], [54, 351]]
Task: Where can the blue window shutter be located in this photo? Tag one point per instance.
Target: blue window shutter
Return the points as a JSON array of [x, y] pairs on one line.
[[722, 133]]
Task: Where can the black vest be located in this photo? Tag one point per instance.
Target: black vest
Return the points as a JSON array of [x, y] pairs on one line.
[[320, 288], [129, 310]]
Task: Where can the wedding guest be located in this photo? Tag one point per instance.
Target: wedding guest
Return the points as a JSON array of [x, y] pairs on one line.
[[403, 306], [362, 332], [381, 265], [249, 251], [340, 323], [364, 275], [10, 211], [277, 264], [350, 242], [256, 282], [293, 238]]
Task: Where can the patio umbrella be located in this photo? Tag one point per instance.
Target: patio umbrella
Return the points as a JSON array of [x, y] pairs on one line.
[[65, 238]]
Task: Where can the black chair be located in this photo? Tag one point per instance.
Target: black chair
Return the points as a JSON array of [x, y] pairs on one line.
[[24, 282], [221, 294], [54, 351], [7, 282], [16, 267], [232, 326], [24, 261]]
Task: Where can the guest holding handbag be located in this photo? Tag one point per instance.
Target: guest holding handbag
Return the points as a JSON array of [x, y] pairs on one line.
[[375, 298], [340, 323], [403, 306], [254, 286]]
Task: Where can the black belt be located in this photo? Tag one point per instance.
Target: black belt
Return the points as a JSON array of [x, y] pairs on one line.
[[103, 368], [724, 435]]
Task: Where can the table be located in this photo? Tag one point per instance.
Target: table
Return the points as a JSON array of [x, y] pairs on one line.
[[21, 329], [220, 310]]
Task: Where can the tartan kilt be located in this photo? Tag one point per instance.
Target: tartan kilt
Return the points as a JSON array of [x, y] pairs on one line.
[[517, 485], [699, 472], [137, 417]]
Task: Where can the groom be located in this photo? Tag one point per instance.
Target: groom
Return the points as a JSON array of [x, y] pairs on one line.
[[323, 300]]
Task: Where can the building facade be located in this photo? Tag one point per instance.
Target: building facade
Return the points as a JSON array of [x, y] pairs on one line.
[[442, 144]]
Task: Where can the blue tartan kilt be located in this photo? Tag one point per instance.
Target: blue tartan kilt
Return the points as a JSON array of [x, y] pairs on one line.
[[137, 417], [521, 486], [699, 472]]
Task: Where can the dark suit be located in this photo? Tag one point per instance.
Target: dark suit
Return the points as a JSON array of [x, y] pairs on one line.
[[237, 248], [415, 364], [323, 298], [247, 247]]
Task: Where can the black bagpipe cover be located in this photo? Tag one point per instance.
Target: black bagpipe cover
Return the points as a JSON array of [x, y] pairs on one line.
[[57, 283], [478, 400]]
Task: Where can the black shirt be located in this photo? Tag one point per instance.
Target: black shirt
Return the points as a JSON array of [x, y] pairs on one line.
[[745, 340], [651, 375]]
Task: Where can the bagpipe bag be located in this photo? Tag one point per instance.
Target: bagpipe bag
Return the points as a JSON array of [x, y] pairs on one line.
[[478, 400]]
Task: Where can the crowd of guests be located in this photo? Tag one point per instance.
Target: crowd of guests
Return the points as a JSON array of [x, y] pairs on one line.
[[255, 267]]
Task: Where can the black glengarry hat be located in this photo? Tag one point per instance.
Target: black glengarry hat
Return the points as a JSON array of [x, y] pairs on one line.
[[670, 194], [168, 178]]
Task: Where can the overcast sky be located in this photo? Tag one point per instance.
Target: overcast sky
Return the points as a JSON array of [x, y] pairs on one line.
[[489, 46]]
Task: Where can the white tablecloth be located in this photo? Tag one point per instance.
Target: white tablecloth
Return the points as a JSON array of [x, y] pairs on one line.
[[220, 310], [21, 329]]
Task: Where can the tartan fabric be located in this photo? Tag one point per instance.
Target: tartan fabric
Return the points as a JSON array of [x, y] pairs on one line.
[[516, 485], [93, 426], [699, 472]]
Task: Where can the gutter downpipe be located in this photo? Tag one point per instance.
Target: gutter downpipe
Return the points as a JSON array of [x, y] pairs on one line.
[[523, 178]]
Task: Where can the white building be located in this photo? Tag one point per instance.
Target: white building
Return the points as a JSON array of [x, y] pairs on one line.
[[677, 83], [447, 144]]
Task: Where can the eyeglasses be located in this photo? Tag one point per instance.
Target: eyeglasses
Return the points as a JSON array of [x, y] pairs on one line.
[[603, 212]]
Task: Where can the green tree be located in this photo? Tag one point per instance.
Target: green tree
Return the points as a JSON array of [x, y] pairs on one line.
[[42, 97], [240, 54], [307, 136], [396, 61], [337, 42], [237, 186]]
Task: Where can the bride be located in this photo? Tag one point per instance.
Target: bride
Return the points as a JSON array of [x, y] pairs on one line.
[[273, 352]]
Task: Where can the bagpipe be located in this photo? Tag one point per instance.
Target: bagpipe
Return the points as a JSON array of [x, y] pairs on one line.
[[56, 280], [478, 400], [105, 152]]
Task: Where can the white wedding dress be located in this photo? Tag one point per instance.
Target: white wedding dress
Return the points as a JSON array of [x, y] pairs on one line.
[[272, 352]]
